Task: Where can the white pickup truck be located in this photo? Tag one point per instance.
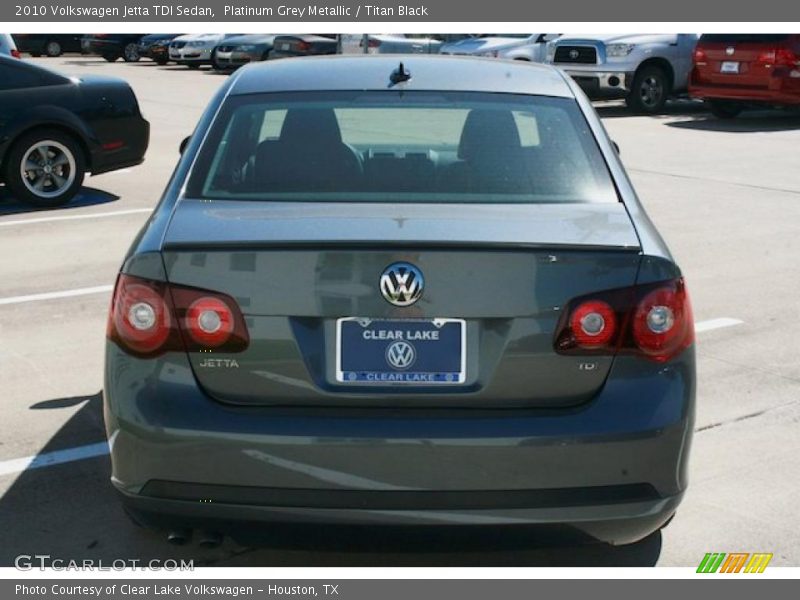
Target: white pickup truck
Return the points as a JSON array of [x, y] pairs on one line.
[[644, 69]]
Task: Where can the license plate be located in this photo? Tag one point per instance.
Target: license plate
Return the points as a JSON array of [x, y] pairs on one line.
[[729, 67], [400, 351], [285, 46]]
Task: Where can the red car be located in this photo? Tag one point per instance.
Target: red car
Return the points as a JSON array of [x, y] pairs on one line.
[[736, 71]]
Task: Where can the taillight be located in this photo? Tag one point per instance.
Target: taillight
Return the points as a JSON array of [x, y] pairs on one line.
[[16, 54], [652, 320], [700, 57], [786, 58], [303, 46], [593, 324], [149, 318], [140, 315], [209, 321], [766, 57]]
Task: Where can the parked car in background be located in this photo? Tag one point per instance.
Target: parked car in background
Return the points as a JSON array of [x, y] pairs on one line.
[[491, 45], [196, 49], [54, 129], [733, 72], [304, 333], [237, 51], [534, 50], [286, 46], [48, 44], [156, 46], [112, 46], [644, 69], [7, 46], [408, 43]]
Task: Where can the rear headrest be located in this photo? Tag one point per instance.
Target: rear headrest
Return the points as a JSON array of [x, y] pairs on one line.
[[488, 131], [310, 126]]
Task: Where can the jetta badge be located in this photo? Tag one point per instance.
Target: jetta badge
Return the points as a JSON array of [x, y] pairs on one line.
[[730, 50], [402, 283]]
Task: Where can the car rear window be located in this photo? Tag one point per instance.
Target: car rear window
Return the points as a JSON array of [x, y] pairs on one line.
[[744, 38], [401, 147]]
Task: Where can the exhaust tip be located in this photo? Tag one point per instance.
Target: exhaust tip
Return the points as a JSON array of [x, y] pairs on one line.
[[179, 537], [209, 539]]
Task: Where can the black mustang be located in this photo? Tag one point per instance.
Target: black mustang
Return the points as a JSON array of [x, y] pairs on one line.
[[54, 129]]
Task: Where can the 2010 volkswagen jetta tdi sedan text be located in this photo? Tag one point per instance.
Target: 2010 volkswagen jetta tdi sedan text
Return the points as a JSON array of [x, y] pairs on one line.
[[411, 293]]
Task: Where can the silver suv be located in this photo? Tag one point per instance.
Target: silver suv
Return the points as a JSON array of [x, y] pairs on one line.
[[644, 69]]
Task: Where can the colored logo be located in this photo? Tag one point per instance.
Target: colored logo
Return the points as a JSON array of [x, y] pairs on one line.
[[734, 562]]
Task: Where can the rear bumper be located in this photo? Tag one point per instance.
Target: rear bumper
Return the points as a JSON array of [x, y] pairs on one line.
[[137, 138], [615, 468], [787, 95], [102, 47], [621, 521]]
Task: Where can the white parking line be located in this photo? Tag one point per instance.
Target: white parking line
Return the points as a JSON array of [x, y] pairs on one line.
[[116, 213], [701, 326], [48, 459], [52, 295]]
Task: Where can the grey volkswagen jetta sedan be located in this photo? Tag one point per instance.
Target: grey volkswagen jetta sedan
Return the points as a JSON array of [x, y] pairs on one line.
[[400, 291]]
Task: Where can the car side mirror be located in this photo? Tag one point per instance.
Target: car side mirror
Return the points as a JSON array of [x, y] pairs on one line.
[[613, 143], [183, 144]]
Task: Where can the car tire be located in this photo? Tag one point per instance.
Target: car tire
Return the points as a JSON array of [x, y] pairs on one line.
[[161, 61], [110, 57], [724, 110], [130, 53], [53, 49], [57, 166], [649, 90]]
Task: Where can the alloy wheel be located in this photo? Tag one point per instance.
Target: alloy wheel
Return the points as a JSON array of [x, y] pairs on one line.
[[48, 169]]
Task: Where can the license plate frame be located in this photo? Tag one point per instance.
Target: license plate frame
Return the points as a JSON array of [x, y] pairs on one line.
[[346, 372]]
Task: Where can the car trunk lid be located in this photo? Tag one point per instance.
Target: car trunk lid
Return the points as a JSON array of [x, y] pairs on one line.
[[505, 270]]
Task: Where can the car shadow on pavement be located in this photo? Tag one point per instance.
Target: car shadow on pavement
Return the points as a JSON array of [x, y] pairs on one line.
[[86, 197], [617, 109], [71, 512], [748, 122], [185, 69], [87, 62]]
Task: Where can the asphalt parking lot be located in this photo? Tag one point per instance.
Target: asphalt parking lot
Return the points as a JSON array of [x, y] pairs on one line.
[[725, 194]]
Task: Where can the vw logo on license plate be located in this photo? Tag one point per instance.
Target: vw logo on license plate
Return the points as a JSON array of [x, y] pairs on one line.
[[400, 355]]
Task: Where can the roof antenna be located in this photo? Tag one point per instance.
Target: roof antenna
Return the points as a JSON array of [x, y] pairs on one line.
[[399, 75]]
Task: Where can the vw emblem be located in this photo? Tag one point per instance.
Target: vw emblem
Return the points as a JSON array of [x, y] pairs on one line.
[[401, 355], [574, 54], [730, 50], [402, 283]]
